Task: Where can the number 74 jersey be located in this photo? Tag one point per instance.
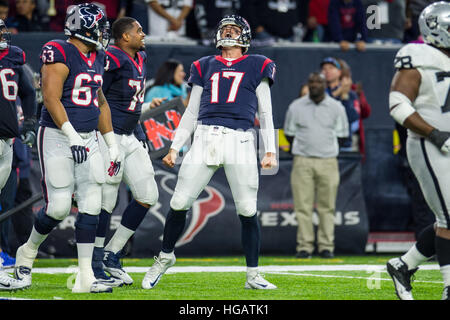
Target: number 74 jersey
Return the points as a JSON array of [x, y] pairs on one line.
[[433, 100], [229, 88]]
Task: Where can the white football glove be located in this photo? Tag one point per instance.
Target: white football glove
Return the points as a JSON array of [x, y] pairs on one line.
[[440, 139]]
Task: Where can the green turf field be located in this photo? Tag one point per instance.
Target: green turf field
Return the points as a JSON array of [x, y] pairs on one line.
[[322, 279]]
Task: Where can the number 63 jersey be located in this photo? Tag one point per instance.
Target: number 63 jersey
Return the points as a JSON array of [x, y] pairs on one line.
[[433, 100], [229, 88], [79, 96]]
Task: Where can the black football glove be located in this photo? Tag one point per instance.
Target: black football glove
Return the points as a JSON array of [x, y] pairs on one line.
[[28, 132], [440, 139]]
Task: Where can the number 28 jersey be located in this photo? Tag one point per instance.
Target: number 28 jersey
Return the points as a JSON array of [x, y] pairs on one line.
[[229, 88], [79, 96], [433, 99]]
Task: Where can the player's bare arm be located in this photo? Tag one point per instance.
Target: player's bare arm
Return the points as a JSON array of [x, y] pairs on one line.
[[104, 121], [53, 78]]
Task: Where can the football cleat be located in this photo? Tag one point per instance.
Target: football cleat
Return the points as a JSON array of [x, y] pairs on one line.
[[88, 284], [256, 281], [8, 283], [99, 273], [23, 274], [111, 264], [398, 270], [163, 262], [25, 256]]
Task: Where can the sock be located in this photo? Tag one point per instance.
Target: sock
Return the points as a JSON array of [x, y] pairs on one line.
[[175, 222], [45, 224], [85, 251], [425, 241], [133, 215], [103, 221], [250, 237], [443, 257], [35, 239], [413, 258], [119, 239], [85, 228]]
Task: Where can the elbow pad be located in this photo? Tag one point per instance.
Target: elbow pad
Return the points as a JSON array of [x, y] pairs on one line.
[[400, 107]]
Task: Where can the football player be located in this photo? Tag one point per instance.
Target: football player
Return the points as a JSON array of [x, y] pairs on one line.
[[70, 160], [15, 81], [124, 86], [420, 101], [227, 91]]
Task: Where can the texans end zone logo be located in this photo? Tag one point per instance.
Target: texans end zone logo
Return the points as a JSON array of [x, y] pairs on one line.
[[202, 210]]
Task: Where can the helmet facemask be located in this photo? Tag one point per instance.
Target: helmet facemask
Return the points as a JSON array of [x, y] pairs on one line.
[[242, 39], [5, 36]]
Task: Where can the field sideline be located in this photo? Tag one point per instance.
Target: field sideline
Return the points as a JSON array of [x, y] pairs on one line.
[[223, 278]]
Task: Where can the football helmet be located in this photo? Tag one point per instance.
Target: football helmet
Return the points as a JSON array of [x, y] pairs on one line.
[[243, 40], [434, 24], [88, 23], [5, 39]]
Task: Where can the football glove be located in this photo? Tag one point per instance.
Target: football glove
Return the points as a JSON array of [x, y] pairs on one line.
[[27, 133], [79, 150], [440, 139]]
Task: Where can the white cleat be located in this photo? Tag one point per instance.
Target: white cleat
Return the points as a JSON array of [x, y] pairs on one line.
[[256, 281], [163, 262], [8, 283], [398, 270], [25, 256], [88, 284], [23, 274]]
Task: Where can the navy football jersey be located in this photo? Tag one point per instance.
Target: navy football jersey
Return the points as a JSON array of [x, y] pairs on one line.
[[124, 87], [229, 88], [11, 60], [79, 96]]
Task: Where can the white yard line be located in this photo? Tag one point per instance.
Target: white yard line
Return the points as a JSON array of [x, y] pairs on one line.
[[267, 269]]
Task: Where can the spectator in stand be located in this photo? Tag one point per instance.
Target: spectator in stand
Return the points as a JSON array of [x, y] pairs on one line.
[[169, 82], [27, 18], [413, 10], [276, 19], [392, 19], [362, 106], [347, 23], [167, 18], [137, 9], [340, 89], [313, 125], [4, 9], [208, 13], [317, 23]]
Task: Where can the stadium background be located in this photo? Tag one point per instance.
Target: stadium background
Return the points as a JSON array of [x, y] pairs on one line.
[[372, 189]]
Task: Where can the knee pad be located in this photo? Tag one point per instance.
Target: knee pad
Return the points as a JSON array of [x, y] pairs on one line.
[[109, 196], [246, 208], [180, 202], [59, 205], [146, 191]]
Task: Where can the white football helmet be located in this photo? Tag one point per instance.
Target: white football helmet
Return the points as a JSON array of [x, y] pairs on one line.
[[434, 24]]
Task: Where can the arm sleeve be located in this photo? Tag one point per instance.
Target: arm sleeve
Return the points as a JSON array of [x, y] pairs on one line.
[[265, 115], [27, 93], [188, 121]]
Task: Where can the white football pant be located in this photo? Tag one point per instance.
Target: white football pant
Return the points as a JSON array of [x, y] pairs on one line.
[[6, 157]]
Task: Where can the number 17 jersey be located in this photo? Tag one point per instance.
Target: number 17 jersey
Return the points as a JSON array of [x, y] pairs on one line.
[[229, 88]]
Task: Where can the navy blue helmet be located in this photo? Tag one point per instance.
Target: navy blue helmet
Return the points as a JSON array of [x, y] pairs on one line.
[[88, 23]]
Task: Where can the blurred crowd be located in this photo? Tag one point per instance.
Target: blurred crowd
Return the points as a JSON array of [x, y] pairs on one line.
[[272, 21]]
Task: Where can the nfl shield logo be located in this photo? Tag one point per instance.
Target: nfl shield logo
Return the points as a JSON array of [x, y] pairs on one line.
[[229, 64]]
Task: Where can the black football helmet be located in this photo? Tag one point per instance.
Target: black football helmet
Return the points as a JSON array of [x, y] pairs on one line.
[[244, 38], [88, 23], [5, 36]]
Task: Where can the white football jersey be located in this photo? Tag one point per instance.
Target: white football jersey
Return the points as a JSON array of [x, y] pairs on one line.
[[433, 100]]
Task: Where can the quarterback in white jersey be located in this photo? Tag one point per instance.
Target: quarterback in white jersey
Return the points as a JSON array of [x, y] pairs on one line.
[[420, 101]]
